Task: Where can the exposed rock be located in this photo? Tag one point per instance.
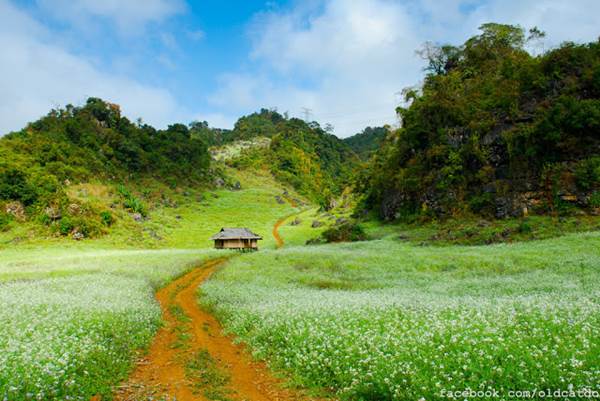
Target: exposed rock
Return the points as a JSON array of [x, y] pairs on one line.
[[341, 220], [77, 235], [285, 192], [237, 186], [279, 199], [16, 210], [53, 213], [295, 222], [219, 182], [67, 182], [74, 208], [137, 217], [316, 224]]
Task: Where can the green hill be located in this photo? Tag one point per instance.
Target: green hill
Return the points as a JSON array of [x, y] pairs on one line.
[[367, 142], [494, 131], [317, 164]]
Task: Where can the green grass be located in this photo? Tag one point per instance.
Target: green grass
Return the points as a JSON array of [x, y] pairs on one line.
[[208, 378], [387, 320], [473, 231], [182, 218], [295, 235]]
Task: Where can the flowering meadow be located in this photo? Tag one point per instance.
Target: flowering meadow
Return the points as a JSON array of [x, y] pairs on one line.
[[71, 319], [385, 320]]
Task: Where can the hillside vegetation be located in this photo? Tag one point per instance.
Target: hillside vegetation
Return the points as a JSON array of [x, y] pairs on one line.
[[367, 142], [92, 143], [317, 164], [494, 131]]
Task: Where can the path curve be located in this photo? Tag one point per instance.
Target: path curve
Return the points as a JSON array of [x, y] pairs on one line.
[[278, 240], [163, 371]]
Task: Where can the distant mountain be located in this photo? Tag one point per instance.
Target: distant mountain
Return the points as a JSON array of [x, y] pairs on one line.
[[365, 143]]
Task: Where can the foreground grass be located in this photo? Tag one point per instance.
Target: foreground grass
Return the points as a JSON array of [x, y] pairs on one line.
[[384, 320], [74, 318]]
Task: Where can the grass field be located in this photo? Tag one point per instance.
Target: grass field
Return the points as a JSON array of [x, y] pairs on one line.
[[387, 320], [187, 220]]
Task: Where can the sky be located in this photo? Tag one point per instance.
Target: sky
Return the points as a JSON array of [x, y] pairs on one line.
[[177, 61]]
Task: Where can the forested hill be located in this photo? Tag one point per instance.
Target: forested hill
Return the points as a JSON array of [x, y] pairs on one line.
[[494, 131], [94, 142], [315, 162], [367, 142]]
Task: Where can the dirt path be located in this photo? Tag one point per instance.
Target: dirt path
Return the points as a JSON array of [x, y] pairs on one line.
[[190, 359], [278, 240]]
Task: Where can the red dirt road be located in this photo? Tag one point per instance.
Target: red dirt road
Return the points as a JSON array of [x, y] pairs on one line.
[[162, 373]]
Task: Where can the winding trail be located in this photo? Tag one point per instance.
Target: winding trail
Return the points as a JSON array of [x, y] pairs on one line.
[[188, 330], [279, 243]]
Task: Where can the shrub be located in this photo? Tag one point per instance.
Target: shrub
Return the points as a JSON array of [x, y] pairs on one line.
[[595, 199], [587, 173], [5, 220], [524, 227], [347, 232], [131, 202], [14, 186], [107, 218], [65, 225]]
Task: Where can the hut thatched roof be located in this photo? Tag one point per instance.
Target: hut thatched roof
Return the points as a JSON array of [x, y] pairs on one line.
[[235, 233]]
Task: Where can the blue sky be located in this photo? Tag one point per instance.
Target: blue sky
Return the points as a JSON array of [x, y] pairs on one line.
[[170, 61]]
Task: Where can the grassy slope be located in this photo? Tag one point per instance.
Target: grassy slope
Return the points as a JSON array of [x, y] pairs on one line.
[[390, 320], [189, 224]]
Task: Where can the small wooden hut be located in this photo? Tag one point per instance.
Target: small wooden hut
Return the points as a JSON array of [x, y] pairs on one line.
[[236, 238]]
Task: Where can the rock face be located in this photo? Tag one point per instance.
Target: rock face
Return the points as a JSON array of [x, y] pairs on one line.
[[316, 224], [219, 182], [16, 210], [514, 194], [53, 213]]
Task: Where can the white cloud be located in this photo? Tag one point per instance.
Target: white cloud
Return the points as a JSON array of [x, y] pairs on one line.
[[36, 75], [129, 16], [347, 59], [196, 35]]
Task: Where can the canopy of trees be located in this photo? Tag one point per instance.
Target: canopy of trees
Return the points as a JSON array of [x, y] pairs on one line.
[[365, 143], [94, 142], [494, 131]]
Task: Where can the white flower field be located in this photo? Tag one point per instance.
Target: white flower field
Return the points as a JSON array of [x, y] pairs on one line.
[[385, 321], [72, 319]]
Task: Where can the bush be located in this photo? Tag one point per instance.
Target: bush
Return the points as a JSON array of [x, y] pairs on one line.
[[587, 173], [5, 220], [65, 225], [347, 232], [131, 202], [14, 186], [595, 199], [107, 218]]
